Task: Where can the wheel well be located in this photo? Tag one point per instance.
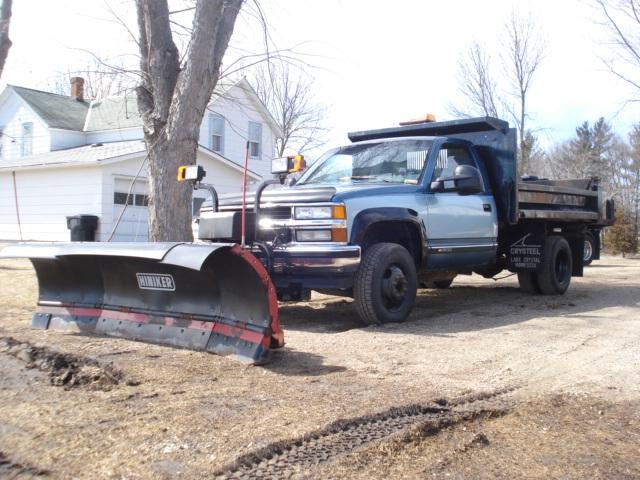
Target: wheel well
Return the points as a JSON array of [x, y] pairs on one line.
[[402, 233]]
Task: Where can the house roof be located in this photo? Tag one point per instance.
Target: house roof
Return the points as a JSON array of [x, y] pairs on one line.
[[57, 111], [98, 153], [113, 114], [85, 155]]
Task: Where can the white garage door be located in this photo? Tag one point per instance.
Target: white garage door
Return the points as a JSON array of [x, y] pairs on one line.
[[133, 225]]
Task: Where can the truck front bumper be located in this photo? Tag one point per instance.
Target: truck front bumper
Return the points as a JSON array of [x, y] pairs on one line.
[[315, 266]]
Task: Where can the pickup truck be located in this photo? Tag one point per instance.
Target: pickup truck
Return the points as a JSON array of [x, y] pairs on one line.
[[410, 206]]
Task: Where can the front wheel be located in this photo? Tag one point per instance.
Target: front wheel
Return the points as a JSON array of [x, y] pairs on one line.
[[385, 284]]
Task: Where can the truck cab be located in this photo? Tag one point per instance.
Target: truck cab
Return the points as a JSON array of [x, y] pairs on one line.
[[409, 206]]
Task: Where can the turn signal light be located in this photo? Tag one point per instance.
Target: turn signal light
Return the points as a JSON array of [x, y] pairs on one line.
[[339, 235], [339, 212]]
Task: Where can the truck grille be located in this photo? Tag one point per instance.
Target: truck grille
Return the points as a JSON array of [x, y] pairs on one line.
[[276, 213]]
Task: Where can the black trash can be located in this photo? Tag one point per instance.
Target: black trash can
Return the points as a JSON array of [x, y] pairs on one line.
[[83, 227]]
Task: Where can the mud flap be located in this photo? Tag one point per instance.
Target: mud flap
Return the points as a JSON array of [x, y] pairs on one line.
[[212, 297]]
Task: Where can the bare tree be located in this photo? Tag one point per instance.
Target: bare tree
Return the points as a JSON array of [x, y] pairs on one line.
[[485, 95], [102, 79], [524, 53], [476, 84], [172, 100], [621, 18], [5, 21], [287, 93]]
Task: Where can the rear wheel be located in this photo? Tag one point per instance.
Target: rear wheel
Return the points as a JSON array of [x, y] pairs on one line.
[[385, 284], [589, 249], [555, 276]]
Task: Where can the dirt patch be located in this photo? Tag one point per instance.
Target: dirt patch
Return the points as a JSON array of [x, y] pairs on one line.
[[193, 413], [559, 436], [64, 369]]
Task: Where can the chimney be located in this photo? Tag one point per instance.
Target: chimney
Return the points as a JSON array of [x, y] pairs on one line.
[[77, 88]]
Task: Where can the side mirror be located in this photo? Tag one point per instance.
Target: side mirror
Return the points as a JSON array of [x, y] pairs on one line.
[[467, 180], [437, 185]]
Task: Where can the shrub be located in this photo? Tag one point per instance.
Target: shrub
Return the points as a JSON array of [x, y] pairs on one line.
[[622, 236]]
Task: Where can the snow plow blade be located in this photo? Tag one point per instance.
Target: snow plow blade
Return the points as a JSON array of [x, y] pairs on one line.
[[212, 297]]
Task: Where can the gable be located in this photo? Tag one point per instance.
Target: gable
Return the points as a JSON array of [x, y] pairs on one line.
[[57, 111], [242, 95]]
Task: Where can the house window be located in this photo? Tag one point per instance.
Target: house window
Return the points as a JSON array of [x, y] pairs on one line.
[[120, 198], [137, 199], [26, 146], [255, 139], [216, 132], [141, 200]]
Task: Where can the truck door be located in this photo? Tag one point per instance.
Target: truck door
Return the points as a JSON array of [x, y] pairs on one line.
[[462, 229]]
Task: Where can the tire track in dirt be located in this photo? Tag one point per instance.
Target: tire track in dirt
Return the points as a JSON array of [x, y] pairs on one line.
[[293, 458]]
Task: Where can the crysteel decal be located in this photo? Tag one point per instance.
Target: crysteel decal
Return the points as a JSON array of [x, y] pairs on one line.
[[525, 256], [156, 281]]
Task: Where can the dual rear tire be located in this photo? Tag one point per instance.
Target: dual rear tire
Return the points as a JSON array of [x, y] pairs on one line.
[[554, 277], [589, 249]]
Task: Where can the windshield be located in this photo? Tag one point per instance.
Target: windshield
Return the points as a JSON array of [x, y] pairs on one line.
[[396, 161]]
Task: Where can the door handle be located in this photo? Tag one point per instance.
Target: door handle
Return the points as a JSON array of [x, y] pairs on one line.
[[486, 207]]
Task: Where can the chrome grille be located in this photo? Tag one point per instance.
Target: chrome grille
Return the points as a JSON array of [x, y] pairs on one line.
[[276, 213]]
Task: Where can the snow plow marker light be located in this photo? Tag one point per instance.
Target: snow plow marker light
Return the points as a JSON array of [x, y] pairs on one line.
[[428, 118], [299, 164], [193, 173], [286, 165]]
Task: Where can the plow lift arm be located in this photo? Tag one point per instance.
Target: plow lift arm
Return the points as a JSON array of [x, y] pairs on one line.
[[216, 297]]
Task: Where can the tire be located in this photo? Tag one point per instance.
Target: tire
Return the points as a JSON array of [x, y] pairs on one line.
[[528, 282], [589, 249], [555, 276], [385, 284], [442, 284]]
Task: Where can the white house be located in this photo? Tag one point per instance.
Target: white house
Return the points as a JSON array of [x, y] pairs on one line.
[[62, 156]]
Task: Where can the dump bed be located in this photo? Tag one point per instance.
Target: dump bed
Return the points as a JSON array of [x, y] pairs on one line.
[[563, 200]]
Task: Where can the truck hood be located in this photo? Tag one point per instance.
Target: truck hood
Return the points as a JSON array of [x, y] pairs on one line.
[[316, 193]]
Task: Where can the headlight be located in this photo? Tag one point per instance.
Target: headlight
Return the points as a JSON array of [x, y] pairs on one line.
[[313, 235], [313, 213], [321, 213]]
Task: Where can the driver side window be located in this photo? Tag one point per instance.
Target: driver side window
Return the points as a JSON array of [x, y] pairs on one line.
[[449, 157]]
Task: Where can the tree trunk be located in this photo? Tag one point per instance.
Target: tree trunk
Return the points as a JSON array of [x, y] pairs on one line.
[[172, 101], [5, 43]]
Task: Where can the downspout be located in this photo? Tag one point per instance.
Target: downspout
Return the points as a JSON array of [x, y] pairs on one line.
[[15, 196]]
